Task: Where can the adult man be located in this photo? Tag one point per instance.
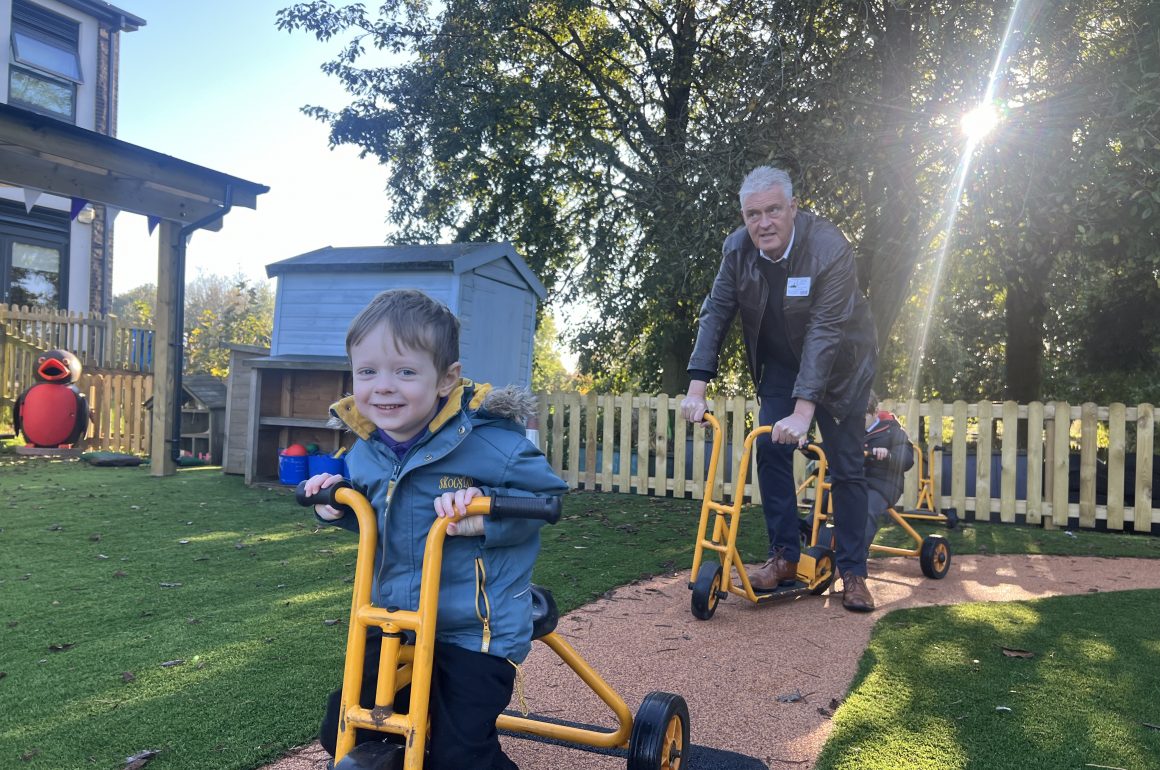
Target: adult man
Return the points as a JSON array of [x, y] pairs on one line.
[[811, 349]]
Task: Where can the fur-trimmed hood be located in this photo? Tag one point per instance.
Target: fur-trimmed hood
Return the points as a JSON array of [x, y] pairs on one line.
[[479, 399]]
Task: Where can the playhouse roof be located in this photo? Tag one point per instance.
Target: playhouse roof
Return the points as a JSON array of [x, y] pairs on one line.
[[448, 257], [206, 388]]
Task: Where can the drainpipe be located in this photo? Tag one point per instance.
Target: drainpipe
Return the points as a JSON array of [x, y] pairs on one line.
[[178, 341]]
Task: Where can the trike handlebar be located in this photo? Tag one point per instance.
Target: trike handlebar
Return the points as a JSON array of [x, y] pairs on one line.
[[498, 507]]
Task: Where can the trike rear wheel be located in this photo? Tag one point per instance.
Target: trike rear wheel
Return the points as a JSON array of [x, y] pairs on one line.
[[706, 590], [935, 557], [660, 733]]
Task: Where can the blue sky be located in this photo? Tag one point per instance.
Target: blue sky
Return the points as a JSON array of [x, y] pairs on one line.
[[216, 83]]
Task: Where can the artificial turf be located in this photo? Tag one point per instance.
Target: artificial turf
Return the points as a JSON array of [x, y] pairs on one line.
[[205, 620]]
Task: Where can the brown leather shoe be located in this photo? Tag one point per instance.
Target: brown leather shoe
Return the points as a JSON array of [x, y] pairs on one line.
[[855, 595], [775, 572]]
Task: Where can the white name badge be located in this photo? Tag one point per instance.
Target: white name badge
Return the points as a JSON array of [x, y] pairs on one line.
[[797, 287]]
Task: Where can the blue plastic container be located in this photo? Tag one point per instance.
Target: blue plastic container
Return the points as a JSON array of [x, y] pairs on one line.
[[326, 464], [292, 469]]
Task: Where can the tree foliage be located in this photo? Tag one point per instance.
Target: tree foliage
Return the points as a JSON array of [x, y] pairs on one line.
[[608, 139], [219, 311]]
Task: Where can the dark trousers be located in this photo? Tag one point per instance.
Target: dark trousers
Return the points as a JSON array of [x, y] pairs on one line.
[[843, 442], [468, 691]]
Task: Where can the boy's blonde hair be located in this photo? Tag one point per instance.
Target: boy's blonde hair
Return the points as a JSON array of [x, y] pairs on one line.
[[415, 320]]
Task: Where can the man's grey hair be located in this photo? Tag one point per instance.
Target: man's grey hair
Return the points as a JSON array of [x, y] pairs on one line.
[[765, 178]]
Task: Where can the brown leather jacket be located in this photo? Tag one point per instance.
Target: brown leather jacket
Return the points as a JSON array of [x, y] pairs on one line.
[[830, 329]]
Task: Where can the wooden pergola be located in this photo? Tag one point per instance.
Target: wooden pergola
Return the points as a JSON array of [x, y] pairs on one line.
[[55, 157]]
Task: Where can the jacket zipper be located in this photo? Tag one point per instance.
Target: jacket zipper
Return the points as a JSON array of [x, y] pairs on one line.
[[481, 592]]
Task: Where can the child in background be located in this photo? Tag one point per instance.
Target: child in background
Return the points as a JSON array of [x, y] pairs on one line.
[[889, 455], [428, 441]]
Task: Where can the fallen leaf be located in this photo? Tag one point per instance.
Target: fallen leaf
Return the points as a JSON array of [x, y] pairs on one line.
[[331, 622], [172, 663], [95, 537], [55, 528], [137, 761], [1005, 709], [791, 697], [183, 542], [28, 755], [170, 585], [128, 676], [1014, 653], [119, 573], [60, 647]]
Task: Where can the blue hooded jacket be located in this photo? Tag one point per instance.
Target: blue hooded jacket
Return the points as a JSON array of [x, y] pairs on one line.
[[476, 440]]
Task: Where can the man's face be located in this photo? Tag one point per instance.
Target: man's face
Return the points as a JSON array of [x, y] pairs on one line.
[[769, 219]]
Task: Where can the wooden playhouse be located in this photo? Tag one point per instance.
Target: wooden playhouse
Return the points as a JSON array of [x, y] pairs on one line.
[[288, 392]]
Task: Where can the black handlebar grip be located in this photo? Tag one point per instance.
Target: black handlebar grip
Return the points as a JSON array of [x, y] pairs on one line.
[[546, 508], [324, 496]]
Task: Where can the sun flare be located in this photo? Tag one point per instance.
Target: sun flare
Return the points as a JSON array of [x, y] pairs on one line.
[[980, 121]]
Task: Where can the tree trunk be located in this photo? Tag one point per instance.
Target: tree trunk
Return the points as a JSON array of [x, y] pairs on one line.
[[1024, 313]]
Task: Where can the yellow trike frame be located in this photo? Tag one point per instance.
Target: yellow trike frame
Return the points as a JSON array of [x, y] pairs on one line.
[[710, 583], [656, 739], [933, 551]]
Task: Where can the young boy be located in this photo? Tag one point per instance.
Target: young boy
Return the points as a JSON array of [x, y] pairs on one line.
[[428, 442], [888, 456]]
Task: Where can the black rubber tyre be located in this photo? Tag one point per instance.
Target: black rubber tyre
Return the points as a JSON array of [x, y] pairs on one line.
[[373, 756], [706, 590], [935, 556], [823, 566], [952, 515], [660, 733]]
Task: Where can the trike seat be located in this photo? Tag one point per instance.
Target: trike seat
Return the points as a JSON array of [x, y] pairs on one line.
[[545, 616]]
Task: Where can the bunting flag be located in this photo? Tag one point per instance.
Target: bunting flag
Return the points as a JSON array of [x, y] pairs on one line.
[[76, 206], [153, 222], [31, 196]]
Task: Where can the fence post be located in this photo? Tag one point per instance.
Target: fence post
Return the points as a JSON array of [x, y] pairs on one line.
[[1087, 465], [1008, 469], [935, 439], [1145, 425], [1061, 448], [1117, 440], [1035, 465]]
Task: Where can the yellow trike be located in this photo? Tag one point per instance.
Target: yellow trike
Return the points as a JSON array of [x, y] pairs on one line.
[[816, 566], [933, 551], [710, 580], [657, 739]]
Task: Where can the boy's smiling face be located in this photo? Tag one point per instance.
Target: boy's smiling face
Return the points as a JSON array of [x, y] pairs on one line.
[[395, 387]]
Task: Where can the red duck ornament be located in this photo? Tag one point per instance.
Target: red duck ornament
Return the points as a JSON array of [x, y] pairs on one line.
[[53, 412]]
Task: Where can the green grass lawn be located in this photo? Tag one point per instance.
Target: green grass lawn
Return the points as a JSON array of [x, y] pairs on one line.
[[196, 616]]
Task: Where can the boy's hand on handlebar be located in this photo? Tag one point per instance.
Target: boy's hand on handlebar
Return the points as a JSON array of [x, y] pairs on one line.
[[454, 505], [323, 481]]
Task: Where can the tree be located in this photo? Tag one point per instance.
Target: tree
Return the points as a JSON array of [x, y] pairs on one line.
[[548, 370], [608, 139], [219, 311], [135, 307]]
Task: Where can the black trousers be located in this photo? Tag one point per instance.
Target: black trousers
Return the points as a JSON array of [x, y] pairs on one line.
[[843, 443], [468, 691]]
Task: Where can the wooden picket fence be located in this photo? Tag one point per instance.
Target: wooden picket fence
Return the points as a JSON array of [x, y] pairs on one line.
[[1072, 466], [116, 399], [120, 421], [99, 341]]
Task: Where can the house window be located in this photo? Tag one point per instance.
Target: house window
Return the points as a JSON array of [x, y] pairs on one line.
[[33, 259], [46, 67]]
